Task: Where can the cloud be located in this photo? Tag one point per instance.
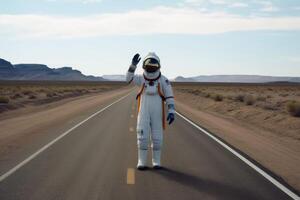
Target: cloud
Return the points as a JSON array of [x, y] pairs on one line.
[[295, 59], [77, 1], [159, 20], [296, 8], [268, 6], [200, 2], [238, 5], [219, 2]]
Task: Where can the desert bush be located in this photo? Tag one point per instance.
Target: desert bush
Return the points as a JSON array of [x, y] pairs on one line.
[[42, 90], [67, 90], [16, 96], [196, 92], [230, 97], [51, 94], [239, 97], [249, 100], [85, 91], [207, 95], [32, 96], [261, 98], [270, 107], [293, 107], [217, 97], [27, 92], [284, 95], [60, 91], [4, 99]]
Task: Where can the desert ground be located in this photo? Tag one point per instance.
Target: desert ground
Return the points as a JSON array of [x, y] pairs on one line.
[[261, 120], [24, 94]]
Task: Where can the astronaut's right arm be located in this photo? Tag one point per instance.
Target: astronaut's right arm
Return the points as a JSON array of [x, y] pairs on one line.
[[130, 76]]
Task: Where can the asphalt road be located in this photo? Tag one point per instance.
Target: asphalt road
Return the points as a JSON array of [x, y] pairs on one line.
[[97, 160]]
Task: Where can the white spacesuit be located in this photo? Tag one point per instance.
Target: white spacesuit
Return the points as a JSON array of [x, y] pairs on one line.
[[155, 91]]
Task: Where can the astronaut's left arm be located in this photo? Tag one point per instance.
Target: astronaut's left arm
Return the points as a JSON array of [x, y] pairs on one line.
[[168, 93]]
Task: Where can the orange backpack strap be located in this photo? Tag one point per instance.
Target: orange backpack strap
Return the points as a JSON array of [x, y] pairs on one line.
[[138, 97], [160, 92], [163, 115], [163, 105]]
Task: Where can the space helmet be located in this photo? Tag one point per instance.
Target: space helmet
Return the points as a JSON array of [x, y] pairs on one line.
[[151, 63]]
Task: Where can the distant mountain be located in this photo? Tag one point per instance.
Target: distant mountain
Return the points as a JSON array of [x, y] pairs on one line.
[[183, 79], [238, 79], [6, 69], [41, 72], [114, 77]]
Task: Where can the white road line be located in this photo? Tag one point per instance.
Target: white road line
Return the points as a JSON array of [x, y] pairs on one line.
[[245, 160], [14, 169]]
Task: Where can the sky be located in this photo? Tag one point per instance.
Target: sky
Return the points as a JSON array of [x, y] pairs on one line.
[[191, 37]]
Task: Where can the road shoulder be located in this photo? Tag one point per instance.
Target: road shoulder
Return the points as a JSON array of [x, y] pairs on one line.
[[279, 156]]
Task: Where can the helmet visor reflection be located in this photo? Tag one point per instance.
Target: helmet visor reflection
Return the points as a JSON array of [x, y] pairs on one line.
[[151, 65]]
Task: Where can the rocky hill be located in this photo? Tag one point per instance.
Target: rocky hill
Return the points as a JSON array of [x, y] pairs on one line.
[[237, 79], [9, 71]]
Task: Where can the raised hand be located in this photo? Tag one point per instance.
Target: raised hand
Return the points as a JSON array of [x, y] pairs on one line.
[[136, 59]]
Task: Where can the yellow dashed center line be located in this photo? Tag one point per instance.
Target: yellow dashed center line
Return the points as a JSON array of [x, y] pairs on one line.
[[130, 176]]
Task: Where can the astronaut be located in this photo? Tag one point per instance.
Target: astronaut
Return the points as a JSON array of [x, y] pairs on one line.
[[155, 92]]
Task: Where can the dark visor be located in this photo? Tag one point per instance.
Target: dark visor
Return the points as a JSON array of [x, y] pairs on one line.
[[151, 61]]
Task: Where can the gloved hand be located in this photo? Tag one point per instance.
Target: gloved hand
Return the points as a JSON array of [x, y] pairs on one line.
[[136, 59], [170, 118]]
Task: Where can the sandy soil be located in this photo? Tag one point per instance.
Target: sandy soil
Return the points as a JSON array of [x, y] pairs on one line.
[[270, 136], [18, 94], [22, 126]]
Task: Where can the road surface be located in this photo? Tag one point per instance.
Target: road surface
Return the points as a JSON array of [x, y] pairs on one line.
[[97, 159]]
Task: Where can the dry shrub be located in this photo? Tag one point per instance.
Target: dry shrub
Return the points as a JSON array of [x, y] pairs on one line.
[[4, 99], [261, 98], [293, 107], [217, 97], [270, 107], [284, 95], [230, 97], [60, 91], [27, 92], [41, 90], [249, 100], [32, 96], [51, 94], [67, 90], [79, 90], [240, 97], [196, 92], [16, 96], [207, 95]]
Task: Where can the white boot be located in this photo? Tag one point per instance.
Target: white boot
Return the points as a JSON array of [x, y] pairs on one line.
[[142, 160], [156, 159]]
